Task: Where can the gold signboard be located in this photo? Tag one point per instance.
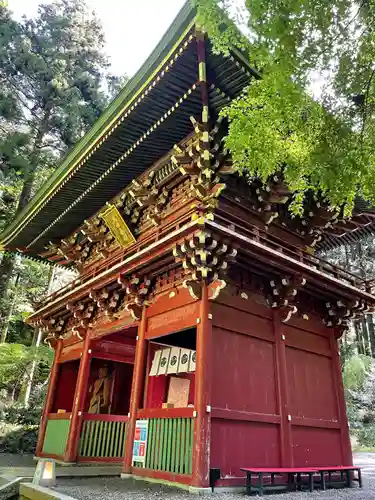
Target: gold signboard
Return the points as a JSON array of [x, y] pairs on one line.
[[117, 226]]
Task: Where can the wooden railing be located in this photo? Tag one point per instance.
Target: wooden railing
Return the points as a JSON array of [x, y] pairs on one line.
[[56, 436], [255, 233], [102, 437], [170, 441]]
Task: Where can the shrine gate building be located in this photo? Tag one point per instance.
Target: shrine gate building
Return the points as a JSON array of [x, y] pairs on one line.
[[201, 331]]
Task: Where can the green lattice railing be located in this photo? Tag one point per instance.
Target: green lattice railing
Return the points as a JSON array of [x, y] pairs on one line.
[[103, 436], [170, 445], [56, 435]]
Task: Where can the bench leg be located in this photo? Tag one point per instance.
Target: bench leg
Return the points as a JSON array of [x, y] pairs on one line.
[[311, 481], [290, 481], [272, 478], [299, 482], [322, 480], [329, 479], [348, 479], [260, 484], [360, 478], [248, 483]]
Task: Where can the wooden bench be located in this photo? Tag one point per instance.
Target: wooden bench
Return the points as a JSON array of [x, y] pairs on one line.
[[342, 469], [291, 473]]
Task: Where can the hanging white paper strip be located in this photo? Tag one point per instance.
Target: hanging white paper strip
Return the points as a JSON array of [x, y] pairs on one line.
[[164, 361], [155, 363], [183, 366], [174, 360]]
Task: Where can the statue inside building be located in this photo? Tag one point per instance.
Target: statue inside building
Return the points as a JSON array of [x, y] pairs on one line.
[[100, 401]]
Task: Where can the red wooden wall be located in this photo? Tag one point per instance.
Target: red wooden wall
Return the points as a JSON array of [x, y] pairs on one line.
[[276, 394]]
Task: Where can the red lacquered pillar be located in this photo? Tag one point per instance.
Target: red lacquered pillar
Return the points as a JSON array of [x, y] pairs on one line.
[[49, 398], [71, 449], [137, 389], [203, 376]]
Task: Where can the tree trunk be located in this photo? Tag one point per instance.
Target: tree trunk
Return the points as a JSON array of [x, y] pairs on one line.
[[365, 337], [4, 331], [358, 337], [371, 329], [6, 272]]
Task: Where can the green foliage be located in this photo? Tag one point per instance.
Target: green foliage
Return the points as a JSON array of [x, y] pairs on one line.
[[20, 440], [20, 415], [324, 144], [366, 436], [16, 361], [355, 372]]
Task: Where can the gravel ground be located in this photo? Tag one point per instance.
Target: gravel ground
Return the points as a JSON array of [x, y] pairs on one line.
[[117, 489]]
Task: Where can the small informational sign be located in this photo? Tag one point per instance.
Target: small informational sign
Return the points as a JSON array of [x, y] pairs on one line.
[[140, 442]]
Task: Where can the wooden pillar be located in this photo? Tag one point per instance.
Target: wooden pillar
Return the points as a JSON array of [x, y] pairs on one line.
[[286, 448], [203, 375], [78, 402], [136, 393], [49, 398], [346, 449]]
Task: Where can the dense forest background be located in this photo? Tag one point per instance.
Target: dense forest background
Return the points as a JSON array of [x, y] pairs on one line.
[[54, 83]]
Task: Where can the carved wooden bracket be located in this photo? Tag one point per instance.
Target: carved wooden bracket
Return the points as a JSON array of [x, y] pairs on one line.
[[204, 160], [267, 197], [204, 259], [137, 291], [282, 294], [340, 313]]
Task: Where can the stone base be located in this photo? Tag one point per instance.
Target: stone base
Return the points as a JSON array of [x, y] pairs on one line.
[[126, 476], [194, 490], [156, 481], [230, 489]]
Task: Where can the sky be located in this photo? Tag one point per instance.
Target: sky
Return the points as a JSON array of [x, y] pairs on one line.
[[132, 27]]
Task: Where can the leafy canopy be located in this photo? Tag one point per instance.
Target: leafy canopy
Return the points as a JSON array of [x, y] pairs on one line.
[[311, 112]]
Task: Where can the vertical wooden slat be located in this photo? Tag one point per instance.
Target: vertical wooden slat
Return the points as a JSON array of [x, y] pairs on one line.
[[116, 439], [120, 440], [178, 441], [191, 446], [95, 439], [99, 439], [157, 443], [90, 439], [187, 446], [182, 445], [82, 439], [103, 439], [148, 462], [108, 438], [86, 438], [173, 445], [161, 440], [169, 442], [113, 430]]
